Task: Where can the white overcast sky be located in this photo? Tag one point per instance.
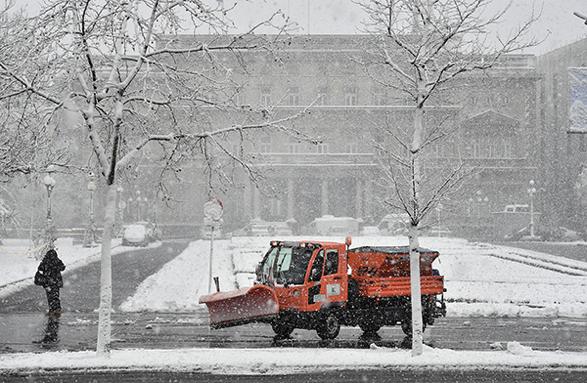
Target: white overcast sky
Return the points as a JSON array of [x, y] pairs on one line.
[[557, 23]]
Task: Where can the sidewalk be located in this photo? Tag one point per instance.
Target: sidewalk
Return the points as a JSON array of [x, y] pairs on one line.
[[289, 360]]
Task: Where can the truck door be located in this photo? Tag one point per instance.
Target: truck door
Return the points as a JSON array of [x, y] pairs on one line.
[[315, 297], [333, 282]]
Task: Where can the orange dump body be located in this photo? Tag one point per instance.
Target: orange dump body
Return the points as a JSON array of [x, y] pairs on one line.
[[385, 271]]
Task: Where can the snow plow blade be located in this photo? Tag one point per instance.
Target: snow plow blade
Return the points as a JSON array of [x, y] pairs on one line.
[[242, 306]]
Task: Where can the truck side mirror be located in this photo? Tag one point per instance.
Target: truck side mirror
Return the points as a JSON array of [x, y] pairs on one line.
[[258, 271]]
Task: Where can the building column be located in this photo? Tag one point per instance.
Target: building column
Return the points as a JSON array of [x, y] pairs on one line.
[[256, 202], [358, 198], [367, 209], [290, 198], [324, 199], [247, 201]]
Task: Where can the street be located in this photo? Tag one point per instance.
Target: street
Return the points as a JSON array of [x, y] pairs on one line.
[[382, 375], [23, 321]]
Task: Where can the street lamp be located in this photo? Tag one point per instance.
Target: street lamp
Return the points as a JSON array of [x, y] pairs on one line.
[[479, 202], [120, 206], [146, 200], [90, 236], [531, 192], [129, 207], [438, 208], [49, 183], [138, 205]]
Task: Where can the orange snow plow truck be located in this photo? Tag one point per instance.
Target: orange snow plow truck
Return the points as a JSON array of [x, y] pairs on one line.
[[323, 285]]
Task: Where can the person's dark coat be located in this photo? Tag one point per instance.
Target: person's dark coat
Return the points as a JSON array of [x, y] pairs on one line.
[[51, 268]]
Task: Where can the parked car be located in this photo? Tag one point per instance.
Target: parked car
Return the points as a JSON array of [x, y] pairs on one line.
[[137, 234], [331, 225], [370, 231], [261, 228], [544, 233], [517, 208], [394, 224]]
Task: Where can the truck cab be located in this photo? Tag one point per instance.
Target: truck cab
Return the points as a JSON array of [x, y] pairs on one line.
[[306, 276]]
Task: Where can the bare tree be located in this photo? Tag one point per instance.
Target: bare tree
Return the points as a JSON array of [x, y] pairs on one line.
[[120, 72], [419, 50], [26, 138]]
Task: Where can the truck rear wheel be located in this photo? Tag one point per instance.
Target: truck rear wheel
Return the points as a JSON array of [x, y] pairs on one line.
[[282, 329], [329, 327]]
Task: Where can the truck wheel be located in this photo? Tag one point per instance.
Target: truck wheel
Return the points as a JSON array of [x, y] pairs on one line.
[[369, 327], [282, 329], [407, 326], [329, 328]]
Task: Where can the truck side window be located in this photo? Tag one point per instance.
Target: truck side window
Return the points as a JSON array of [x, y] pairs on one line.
[[331, 262], [316, 271]]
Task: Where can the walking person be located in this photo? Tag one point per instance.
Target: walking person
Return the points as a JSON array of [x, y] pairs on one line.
[[49, 277]]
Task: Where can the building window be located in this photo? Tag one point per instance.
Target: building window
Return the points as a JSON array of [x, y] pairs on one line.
[[379, 97], [352, 147], [240, 99], [322, 98], [322, 148], [265, 96], [295, 147], [293, 96], [476, 147], [496, 148], [507, 148], [351, 96], [265, 148]]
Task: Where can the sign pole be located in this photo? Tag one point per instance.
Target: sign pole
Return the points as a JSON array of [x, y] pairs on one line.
[[210, 259], [213, 210]]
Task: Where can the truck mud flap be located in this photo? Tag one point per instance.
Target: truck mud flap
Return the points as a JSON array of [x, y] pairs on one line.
[[241, 306]]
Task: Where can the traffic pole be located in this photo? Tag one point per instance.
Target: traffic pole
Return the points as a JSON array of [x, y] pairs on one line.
[[210, 259]]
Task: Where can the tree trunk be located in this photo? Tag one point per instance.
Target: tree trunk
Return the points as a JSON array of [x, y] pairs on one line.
[[417, 333], [104, 329], [413, 235]]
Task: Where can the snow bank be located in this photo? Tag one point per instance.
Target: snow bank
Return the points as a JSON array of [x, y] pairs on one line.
[[481, 279], [18, 267], [291, 360], [180, 282]]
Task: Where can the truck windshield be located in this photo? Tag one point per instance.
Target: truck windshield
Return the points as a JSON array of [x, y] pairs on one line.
[[286, 265]]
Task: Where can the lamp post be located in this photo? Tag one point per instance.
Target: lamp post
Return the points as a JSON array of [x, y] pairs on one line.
[[138, 205], [146, 200], [479, 202], [120, 207], [531, 192], [90, 236], [49, 183]]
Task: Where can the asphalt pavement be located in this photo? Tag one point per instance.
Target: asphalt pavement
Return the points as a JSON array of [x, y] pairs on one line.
[[431, 375]]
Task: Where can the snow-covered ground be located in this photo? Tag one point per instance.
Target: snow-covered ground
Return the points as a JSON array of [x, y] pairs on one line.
[[18, 267], [481, 279], [292, 360]]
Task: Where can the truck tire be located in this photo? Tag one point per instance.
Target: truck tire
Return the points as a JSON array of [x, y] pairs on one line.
[[282, 329], [369, 327], [329, 327]]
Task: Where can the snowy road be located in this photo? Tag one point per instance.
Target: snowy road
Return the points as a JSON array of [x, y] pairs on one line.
[[80, 293], [77, 332], [380, 375], [22, 319]]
